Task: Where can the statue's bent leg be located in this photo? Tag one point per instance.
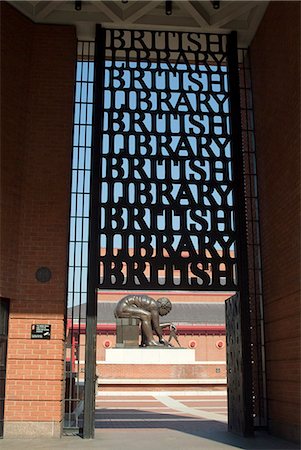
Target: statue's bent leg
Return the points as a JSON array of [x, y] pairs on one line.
[[146, 322], [147, 331]]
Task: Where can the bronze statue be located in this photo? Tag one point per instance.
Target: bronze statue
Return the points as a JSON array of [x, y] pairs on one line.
[[148, 311]]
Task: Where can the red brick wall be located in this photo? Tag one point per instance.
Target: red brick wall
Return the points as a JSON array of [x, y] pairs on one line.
[[15, 68], [38, 66], [276, 85], [180, 297], [161, 371]]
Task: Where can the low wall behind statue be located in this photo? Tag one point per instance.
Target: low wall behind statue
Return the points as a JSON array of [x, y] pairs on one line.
[[177, 376]]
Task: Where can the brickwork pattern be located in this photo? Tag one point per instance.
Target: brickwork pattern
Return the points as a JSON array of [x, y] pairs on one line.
[[161, 371], [275, 61], [38, 67], [181, 297]]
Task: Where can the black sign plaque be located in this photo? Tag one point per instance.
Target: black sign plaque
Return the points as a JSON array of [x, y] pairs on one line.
[[40, 331]]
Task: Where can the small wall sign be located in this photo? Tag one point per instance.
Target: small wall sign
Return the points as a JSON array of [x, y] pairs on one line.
[[40, 331]]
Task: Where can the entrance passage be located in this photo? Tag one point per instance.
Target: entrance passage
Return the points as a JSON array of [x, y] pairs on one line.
[[167, 191], [166, 208]]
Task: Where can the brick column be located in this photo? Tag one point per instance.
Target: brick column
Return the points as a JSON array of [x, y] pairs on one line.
[[275, 62], [37, 112]]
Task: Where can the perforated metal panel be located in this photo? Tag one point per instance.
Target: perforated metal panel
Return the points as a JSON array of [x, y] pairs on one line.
[[167, 200]]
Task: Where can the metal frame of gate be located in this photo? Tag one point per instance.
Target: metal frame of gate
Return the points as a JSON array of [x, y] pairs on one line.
[[240, 282], [252, 210]]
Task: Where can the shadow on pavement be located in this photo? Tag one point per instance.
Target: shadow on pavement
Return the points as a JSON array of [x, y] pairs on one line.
[[132, 419]]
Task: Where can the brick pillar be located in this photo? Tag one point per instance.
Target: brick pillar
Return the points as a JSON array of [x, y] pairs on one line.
[[275, 61], [38, 68]]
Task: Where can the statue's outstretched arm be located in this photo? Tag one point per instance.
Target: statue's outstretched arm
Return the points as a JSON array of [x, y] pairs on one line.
[[165, 325], [155, 323]]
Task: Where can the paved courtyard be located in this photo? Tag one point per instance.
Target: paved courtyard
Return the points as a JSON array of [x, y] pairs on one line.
[[157, 421], [141, 409]]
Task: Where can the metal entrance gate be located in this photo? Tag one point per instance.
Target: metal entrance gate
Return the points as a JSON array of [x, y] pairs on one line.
[[167, 207]]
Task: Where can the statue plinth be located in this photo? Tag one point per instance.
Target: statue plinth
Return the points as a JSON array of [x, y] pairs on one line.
[[127, 332], [150, 355]]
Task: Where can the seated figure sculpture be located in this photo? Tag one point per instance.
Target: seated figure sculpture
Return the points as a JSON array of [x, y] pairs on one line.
[[148, 311]]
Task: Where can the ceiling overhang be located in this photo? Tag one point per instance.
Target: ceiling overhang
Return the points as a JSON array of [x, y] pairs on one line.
[[197, 16]]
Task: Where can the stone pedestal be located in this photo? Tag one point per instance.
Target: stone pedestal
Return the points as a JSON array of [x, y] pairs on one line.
[[127, 332], [150, 355]]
